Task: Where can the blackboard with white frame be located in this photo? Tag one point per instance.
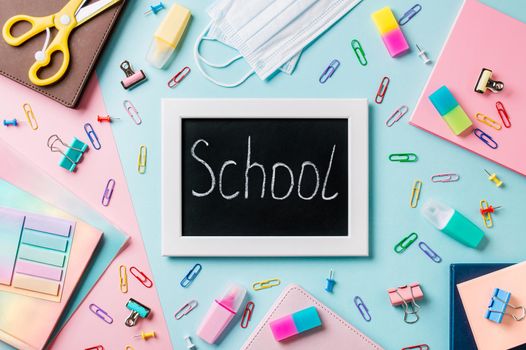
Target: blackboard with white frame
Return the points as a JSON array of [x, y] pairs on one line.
[[265, 177]]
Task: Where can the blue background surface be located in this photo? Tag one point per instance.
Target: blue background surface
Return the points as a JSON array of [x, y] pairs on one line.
[[390, 183]]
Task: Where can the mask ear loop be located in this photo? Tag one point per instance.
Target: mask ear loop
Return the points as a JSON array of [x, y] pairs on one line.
[[217, 65], [198, 57]]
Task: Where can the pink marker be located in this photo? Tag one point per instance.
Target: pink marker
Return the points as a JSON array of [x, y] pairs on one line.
[[221, 313]]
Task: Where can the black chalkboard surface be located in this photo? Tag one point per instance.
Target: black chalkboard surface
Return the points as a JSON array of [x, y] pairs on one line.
[[237, 177]]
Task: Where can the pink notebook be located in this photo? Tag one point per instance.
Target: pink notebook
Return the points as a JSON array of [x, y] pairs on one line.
[[335, 333], [473, 45]]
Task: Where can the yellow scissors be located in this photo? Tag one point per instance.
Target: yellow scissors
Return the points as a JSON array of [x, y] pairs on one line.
[[70, 16]]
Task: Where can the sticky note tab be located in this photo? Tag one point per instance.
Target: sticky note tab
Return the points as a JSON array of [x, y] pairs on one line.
[[296, 323], [45, 240], [49, 225], [385, 20], [11, 225], [35, 284], [38, 270], [306, 319], [443, 100], [40, 255]]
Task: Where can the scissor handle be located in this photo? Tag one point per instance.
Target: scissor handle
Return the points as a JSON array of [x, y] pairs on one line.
[[59, 44], [38, 25]]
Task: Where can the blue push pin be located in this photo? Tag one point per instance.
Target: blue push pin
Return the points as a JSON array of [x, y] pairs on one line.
[[11, 122], [330, 282], [155, 8]]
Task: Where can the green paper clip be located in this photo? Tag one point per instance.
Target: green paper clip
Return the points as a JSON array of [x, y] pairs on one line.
[[403, 157]]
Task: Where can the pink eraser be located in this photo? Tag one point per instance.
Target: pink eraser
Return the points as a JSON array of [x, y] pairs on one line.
[[133, 80], [296, 323], [395, 42]]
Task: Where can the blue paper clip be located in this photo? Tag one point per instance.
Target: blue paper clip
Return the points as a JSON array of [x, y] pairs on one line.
[[191, 275], [488, 140], [429, 252], [406, 17], [329, 71], [94, 139], [500, 300], [362, 308], [103, 315], [108, 192], [12, 122]]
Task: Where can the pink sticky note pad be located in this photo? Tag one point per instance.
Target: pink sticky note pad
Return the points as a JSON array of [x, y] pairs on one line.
[[395, 42]]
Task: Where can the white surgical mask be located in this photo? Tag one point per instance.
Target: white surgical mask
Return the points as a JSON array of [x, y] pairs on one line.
[[268, 33]]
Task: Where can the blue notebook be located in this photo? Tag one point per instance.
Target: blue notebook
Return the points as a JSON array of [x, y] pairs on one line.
[[460, 336]]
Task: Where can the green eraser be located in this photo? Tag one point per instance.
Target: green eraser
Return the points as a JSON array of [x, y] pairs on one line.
[[458, 121], [463, 230]]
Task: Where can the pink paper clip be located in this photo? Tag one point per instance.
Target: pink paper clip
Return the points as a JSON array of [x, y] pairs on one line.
[[108, 192], [185, 309], [141, 277], [176, 80], [97, 347], [397, 115], [132, 112], [417, 347], [247, 314], [445, 178], [503, 114], [382, 89]]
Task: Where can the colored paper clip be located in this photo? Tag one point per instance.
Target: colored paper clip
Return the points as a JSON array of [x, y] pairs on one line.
[[382, 89], [141, 277], [488, 121], [31, 119], [397, 115], [403, 157], [141, 160], [96, 347], [406, 17], [500, 301], [417, 347], [103, 315], [415, 194], [176, 80], [488, 140], [401, 246], [485, 211], [329, 71], [358, 51], [429, 252], [191, 275], [132, 112], [94, 139], [503, 114], [185, 309], [445, 178], [362, 308], [123, 278], [247, 314], [266, 284], [108, 192]]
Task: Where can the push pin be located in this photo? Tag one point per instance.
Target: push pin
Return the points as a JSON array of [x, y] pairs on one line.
[[155, 8], [330, 282], [423, 55], [12, 122], [189, 344], [105, 118], [493, 177], [137, 310], [486, 210], [145, 335], [500, 301], [132, 79], [485, 83]]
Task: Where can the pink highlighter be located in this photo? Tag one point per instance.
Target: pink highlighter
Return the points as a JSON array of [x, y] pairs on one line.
[[221, 313]]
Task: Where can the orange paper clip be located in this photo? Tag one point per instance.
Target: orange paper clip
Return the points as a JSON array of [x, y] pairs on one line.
[[382, 89], [123, 276], [31, 119], [247, 314], [141, 277], [488, 121], [176, 80]]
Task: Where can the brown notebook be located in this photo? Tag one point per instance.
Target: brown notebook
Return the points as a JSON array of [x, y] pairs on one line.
[[85, 45]]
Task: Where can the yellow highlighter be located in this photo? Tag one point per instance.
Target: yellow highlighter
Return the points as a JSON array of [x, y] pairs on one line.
[[168, 35]]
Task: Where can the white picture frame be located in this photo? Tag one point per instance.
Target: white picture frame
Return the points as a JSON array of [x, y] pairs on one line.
[[356, 243]]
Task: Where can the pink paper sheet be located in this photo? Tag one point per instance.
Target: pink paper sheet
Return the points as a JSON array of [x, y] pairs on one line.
[[88, 183], [472, 46]]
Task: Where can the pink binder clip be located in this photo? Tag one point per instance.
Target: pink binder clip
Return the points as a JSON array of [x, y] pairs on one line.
[[407, 295]]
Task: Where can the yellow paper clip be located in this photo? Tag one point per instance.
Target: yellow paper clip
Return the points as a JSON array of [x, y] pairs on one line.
[[266, 284], [30, 116], [486, 214], [123, 279], [415, 194], [488, 121], [141, 162]]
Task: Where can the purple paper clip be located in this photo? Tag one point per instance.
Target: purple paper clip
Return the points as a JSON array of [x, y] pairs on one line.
[[362, 308], [108, 192], [429, 252], [485, 138], [100, 313]]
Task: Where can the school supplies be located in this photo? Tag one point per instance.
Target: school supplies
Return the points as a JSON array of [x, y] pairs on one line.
[[503, 114], [72, 15], [31, 119], [10, 122], [247, 314], [105, 118], [417, 347], [486, 138], [423, 55], [335, 330], [221, 313], [493, 177], [329, 287], [407, 295], [145, 335], [406, 17], [108, 192], [460, 80], [138, 310], [452, 223], [123, 279], [364, 311], [485, 83], [445, 178], [132, 112], [401, 246], [450, 111], [403, 157], [71, 154], [392, 36], [499, 303], [486, 210], [429, 252], [178, 78], [358, 51], [155, 8], [488, 121], [475, 295], [141, 160], [397, 115], [92, 136], [185, 309], [191, 275], [382, 89], [296, 323], [329, 71], [100, 313], [133, 79], [189, 344], [168, 35], [266, 284], [141, 277], [415, 194]]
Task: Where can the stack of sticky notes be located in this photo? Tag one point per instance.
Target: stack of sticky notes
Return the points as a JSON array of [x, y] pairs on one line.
[[449, 109], [390, 31]]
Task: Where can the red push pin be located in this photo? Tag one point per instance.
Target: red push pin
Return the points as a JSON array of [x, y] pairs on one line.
[[106, 118], [489, 209]]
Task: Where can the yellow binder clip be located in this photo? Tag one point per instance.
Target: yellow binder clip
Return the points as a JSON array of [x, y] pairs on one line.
[[266, 284], [415, 194]]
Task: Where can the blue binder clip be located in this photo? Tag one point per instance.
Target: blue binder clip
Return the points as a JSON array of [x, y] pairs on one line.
[[72, 154], [500, 300], [137, 310]]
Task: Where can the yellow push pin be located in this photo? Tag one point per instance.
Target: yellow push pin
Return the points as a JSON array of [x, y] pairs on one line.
[[145, 335], [493, 177]]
